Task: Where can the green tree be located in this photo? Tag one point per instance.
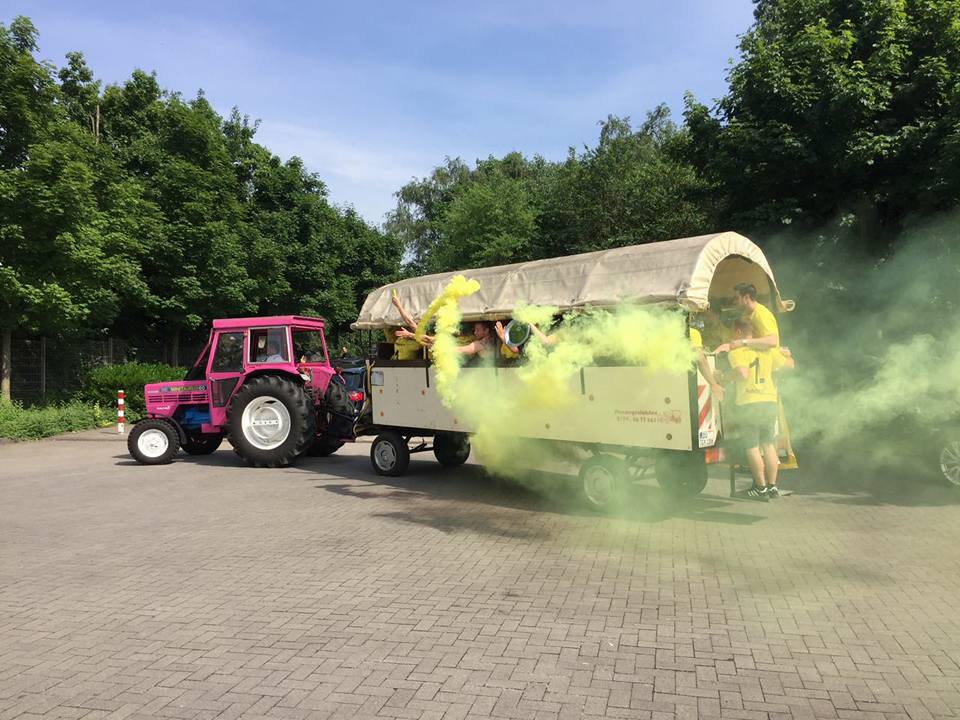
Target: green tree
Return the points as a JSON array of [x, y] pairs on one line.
[[420, 206], [836, 108], [62, 267], [634, 186], [140, 213], [631, 188], [80, 93], [490, 221], [27, 92], [26, 108]]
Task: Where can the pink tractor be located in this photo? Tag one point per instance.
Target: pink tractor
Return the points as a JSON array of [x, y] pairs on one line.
[[265, 383]]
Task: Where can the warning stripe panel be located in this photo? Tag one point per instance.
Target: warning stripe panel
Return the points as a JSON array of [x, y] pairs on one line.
[[704, 413]]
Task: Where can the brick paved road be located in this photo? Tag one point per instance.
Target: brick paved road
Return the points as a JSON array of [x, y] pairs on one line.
[[205, 589]]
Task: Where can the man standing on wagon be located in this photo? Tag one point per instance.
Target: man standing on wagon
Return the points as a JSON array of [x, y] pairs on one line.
[[766, 333]]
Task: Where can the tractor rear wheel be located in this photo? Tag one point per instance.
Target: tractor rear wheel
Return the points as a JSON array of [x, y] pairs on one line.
[[153, 442], [271, 421]]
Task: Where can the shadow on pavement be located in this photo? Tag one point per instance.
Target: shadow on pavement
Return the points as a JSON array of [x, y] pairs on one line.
[[537, 492], [886, 486], [217, 459]]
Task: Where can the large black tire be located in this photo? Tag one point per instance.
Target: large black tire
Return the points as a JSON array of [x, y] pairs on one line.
[[451, 449], [153, 441], [337, 397], [681, 474], [603, 481], [324, 446], [389, 454], [202, 445], [271, 421]]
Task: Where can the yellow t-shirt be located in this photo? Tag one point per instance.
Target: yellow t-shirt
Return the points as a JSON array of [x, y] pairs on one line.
[[404, 348], [758, 386], [508, 354], [407, 349], [696, 338], [764, 322]]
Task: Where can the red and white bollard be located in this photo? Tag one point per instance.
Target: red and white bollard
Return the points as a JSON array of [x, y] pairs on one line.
[[120, 412]]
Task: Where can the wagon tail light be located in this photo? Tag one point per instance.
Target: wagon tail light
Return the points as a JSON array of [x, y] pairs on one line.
[[356, 395]]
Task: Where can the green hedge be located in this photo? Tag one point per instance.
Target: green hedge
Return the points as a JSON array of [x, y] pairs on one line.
[[103, 382], [22, 423]]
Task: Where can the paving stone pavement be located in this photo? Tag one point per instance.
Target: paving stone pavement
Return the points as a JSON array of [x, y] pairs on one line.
[[205, 589]]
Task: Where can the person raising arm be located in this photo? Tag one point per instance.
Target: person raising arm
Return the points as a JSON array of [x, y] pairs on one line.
[[408, 321], [480, 345]]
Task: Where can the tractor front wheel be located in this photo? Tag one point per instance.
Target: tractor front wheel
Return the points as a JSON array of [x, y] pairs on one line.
[[271, 421], [153, 442]]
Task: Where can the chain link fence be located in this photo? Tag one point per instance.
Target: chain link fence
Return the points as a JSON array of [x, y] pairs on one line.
[[50, 369]]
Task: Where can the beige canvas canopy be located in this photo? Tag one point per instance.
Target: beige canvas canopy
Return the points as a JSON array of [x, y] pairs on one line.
[[688, 272]]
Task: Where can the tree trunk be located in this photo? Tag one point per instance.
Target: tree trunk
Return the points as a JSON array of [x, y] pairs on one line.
[[6, 357], [871, 229], [175, 348]]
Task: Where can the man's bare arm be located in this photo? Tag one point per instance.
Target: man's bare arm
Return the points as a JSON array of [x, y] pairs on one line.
[[423, 339], [761, 343], [545, 339], [407, 317], [707, 373]]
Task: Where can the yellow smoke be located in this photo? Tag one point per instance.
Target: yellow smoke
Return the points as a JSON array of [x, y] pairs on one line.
[[446, 309], [651, 338]]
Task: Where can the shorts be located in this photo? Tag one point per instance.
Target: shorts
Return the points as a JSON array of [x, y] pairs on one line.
[[757, 423]]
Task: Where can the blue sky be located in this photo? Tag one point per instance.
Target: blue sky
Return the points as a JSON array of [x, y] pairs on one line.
[[371, 95]]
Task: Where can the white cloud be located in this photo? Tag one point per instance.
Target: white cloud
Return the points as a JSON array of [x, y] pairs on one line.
[[362, 174]]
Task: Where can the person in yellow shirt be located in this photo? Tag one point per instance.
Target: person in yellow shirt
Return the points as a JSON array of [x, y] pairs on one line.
[[715, 333], [763, 323], [756, 399], [696, 339], [481, 344], [404, 346]]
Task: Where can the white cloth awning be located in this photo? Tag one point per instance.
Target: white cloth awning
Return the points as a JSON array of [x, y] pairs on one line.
[[673, 271]]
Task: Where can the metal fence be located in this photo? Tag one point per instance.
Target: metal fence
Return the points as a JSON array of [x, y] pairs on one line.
[[45, 369]]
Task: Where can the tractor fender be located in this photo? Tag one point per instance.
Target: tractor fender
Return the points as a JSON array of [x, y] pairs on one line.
[[273, 371]]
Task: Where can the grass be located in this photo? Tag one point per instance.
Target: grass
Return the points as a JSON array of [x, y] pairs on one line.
[[27, 423]]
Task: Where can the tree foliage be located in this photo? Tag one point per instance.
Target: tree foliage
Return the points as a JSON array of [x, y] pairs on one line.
[[132, 209], [837, 107], [135, 211], [632, 187]]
